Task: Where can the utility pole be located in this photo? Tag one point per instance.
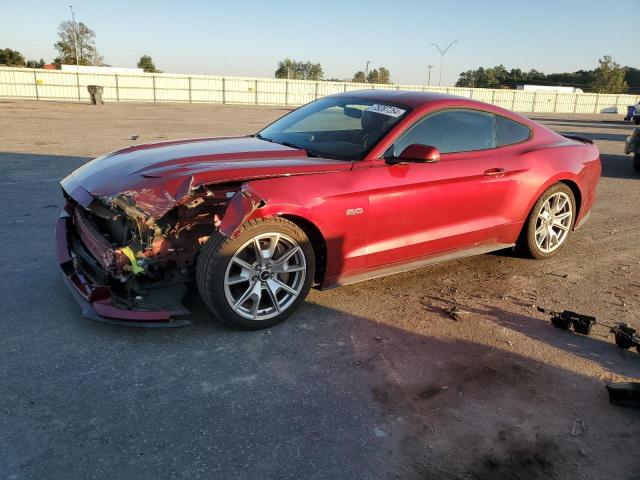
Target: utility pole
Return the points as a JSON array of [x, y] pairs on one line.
[[429, 67], [75, 47], [75, 36], [366, 70], [442, 54]]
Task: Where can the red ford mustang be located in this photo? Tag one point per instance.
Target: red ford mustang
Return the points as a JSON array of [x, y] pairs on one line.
[[346, 188]]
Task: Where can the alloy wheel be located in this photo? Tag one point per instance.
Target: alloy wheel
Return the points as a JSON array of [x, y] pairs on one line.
[[265, 276], [553, 222]]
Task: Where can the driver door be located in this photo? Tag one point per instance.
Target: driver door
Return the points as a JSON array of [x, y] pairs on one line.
[[421, 209]]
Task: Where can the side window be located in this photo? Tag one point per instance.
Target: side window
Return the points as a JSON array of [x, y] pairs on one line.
[[509, 132], [451, 131]]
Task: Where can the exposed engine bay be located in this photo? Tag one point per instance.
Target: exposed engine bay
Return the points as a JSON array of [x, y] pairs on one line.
[[145, 261]]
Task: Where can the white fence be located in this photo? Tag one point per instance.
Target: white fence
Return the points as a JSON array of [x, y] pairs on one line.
[[38, 84]]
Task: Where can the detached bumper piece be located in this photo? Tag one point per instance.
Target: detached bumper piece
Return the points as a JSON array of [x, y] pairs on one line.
[[82, 267], [625, 394], [581, 324]]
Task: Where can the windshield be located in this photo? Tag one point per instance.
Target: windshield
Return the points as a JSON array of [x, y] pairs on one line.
[[345, 128]]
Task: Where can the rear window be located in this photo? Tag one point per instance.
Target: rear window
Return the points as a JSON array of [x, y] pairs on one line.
[[509, 132]]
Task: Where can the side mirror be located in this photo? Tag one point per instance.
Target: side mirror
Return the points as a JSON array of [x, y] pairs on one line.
[[418, 153]]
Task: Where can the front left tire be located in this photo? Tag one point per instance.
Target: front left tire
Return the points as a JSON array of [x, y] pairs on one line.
[[258, 279]]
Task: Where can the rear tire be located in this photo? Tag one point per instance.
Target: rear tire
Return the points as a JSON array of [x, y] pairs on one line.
[[636, 120], [636, 162], [247, 282], [550, 222]]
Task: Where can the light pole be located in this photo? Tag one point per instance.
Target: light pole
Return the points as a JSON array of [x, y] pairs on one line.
[[366, 69], [75, 47], [429, 67], [442, 54], [75, 35]]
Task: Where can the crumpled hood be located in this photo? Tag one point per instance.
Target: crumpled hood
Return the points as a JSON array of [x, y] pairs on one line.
[[156, 176]]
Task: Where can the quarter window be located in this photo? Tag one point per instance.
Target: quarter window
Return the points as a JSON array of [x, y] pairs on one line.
[[509, 132], [451, 131]]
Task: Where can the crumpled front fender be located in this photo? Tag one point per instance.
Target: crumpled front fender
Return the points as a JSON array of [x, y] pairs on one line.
[[262, 199], [241, 208]]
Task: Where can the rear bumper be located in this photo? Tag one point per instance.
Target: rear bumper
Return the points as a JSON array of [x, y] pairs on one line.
[[97, 301]]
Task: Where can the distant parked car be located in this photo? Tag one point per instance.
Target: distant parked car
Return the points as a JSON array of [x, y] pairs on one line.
[[633, 114], [350, 187], [632, 145]]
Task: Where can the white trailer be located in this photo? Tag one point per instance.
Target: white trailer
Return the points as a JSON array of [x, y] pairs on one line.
[[549, 89]]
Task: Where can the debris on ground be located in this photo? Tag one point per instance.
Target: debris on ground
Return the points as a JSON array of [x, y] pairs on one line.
[[625, 394], [455, 312], [578, 427], [581, 324], [625, 336]]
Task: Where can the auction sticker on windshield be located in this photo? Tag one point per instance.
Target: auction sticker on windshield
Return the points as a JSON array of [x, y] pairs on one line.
[[386, 110]]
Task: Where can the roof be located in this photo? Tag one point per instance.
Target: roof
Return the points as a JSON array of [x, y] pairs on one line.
[[416, 100], [409, 98]]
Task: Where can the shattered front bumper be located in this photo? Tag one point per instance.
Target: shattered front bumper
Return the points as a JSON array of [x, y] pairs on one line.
[[99, 302]]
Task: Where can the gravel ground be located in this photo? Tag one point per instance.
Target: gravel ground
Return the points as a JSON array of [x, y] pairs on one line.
[[368, 381]]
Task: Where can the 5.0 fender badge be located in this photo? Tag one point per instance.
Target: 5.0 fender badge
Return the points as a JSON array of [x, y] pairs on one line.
[[354, 211]]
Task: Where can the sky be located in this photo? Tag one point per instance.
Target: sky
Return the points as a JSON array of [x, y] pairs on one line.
[[248, 37]]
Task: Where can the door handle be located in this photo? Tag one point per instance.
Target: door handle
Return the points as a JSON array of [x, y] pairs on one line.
[[495, 172]]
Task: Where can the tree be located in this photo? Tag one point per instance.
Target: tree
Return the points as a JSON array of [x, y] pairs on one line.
[[296, 70], [384, 75], [78, 38], [372, 76], [609, 77], [35, 63], [359, 77], [381, 75], [11, 58], [632, 77], [377, 75], [146, 63]]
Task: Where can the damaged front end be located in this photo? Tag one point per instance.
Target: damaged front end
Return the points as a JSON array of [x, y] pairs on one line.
[[127, 266]]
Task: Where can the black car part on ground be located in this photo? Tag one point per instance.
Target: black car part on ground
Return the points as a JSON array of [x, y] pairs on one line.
[[625, 394], [581, 324], [625, 336]]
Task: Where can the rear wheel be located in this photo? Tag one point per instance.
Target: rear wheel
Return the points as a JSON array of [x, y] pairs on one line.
[[259, 278], [636, 120], [550, 222], [636, 162]]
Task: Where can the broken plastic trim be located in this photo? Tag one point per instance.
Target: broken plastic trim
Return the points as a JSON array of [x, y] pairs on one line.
[[240, 209], [132, 258]]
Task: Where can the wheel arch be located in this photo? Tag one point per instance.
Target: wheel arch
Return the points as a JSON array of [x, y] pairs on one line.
[[577, 194], [248, 204], [566, 180], [575, 189], [318, 242]]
